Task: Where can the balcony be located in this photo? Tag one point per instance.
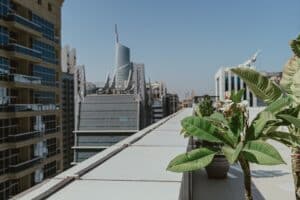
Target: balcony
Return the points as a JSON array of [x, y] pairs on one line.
[[26, 79], [24, 24], [24, 165], [27, 107], [23, 136], [53, 153], [25, 53]]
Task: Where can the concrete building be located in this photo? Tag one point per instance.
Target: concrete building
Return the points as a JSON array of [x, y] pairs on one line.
[[157, 92], [116, 111], [68, 118], [30, 93], [172, 103], [105, 120]]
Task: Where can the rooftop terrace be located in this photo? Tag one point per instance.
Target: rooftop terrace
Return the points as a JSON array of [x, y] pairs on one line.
[[135, 168]]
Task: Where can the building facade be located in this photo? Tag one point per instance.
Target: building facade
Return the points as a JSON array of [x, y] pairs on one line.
[[30, 93], [105, 120], [68, 118]]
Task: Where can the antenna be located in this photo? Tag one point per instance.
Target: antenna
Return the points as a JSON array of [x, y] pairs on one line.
[[117, 34]]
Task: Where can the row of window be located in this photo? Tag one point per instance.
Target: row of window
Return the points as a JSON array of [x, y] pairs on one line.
[[4, 7], [47, 75], [44, 97], [4, 36], [48, 51], [4, 65], [47, 27]]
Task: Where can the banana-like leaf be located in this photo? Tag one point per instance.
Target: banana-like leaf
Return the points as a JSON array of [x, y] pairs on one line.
[[260, 85], [295, 87], [259, 123], [232, 154], [262, 153], [217, 118], [289, 71], [293, 120], [200, 128], [284, 137], [193, 160], [279, 104], [237, 97]]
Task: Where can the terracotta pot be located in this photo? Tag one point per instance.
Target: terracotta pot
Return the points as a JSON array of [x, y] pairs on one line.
[[218, 168]]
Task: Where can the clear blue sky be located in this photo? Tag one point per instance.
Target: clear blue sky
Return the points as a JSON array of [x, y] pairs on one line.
[[181, 42]]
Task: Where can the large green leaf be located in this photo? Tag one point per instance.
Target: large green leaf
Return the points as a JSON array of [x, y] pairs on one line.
[[279, 104], [289, 71], [260, 85], [259, 123], [260, 152], [232, 154], [193, 160], [285, 138], [291, 119], [200, 128]]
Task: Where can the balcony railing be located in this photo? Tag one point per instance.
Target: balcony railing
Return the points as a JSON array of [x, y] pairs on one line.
[[52, 130], [26, 79], [24, 50], [28, 107], [23, 21], [21, 78], [24, 165], [23, 136]]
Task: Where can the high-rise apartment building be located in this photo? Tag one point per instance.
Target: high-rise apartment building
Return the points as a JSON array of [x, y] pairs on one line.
[[30, 94]]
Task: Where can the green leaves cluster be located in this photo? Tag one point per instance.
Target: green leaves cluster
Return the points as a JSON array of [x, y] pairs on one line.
[[240, 141]]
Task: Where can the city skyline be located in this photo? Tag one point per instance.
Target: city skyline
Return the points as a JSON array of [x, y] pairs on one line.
[[181, 36]]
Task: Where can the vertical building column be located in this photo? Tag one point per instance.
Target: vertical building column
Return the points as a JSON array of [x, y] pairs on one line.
[[248, 95], [222, 85], [254, 100], [229, 82], [235, 82]]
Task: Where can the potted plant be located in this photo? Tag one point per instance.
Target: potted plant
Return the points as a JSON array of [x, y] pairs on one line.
[[286, 108], [239, 141]]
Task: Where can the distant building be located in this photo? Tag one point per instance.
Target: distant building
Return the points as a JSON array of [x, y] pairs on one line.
[[105, 120], [157, 92], [226, 82], [117, 110], [172, 103]]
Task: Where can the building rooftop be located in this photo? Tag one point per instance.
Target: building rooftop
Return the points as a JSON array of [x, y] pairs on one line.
[[135, 169]]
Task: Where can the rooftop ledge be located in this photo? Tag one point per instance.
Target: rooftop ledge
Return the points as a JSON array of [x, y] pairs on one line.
[[135, 169]]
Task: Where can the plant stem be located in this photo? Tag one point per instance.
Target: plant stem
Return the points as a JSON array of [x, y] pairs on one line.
[[247, 177], [296, 170]]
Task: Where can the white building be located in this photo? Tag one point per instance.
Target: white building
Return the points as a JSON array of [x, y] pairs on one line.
[[226, 82]]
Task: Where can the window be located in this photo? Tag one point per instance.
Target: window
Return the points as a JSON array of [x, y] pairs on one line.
[[39, 2], [47, 75], [4, 8], [3, 36], [48, 51], [49, 7], [47, 27]]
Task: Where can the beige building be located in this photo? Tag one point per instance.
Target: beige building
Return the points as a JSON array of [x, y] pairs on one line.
[[30, 97]]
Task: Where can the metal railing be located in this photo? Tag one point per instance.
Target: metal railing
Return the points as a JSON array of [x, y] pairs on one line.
[[26, 79], [23, 136], [25, 22], [25, 164], [28, 107], [23, 50]]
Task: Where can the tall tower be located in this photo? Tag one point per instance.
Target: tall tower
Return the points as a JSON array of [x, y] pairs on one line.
[[123, 65]]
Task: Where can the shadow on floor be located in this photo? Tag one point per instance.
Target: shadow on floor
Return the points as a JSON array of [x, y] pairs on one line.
[[231, 188], [267, 173]]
